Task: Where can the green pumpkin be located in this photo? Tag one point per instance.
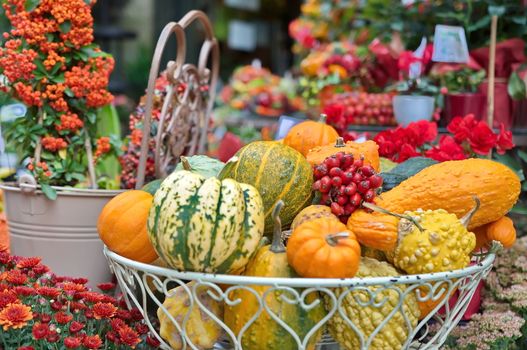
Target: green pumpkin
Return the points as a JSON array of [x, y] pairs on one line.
[[278, 172], [205, 225], [152, 186], [265, 333]]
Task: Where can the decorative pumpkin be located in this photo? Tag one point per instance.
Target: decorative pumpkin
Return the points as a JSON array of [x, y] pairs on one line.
[[278, 172], [391, 335], [205, 225], [501, 230], [323, 248], [265, 333], [404, 170], [372, 253], [122, 226], [200, 328], [449, 186], [311, 213], [310, 134], [369, 150]]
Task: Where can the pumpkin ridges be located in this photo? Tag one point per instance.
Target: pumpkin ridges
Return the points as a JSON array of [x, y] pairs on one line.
[[261, 169], [286, 187]]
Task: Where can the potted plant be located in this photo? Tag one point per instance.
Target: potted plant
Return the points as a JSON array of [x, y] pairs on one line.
[[415, 100], [462, 96], [50, 64]]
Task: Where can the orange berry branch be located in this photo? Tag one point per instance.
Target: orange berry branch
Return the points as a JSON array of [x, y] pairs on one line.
[[51, 64]]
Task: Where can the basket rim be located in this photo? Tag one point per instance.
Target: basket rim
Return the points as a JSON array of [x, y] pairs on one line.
[[478, 267]]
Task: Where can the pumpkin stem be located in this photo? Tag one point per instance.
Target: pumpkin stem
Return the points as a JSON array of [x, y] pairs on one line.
[[323, 118], [277, 246], [333, 239], [495, 247], [186, 164], [340, 142], [465, 220], [400, 216]]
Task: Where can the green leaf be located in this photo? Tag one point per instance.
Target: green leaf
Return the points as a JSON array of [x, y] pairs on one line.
[[519, 209], [49, 191], [92, 117], [59, 78], [524, 186], [521, 20], [68, 92], [483, 22], [497, 10], [65, 27], [522, 155], [30, 5], [516, 87]]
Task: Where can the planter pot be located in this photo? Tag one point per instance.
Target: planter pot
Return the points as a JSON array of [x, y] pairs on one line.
[[462, 104], [502, 104], [409, 108], [63, 232], [519, 110]]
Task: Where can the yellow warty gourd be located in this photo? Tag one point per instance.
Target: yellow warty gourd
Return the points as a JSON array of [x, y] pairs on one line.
[[444, 243], [200, 328], [394, 333]]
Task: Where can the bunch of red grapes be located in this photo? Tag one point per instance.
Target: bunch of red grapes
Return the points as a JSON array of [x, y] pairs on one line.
[[361, 108], [344, 183]]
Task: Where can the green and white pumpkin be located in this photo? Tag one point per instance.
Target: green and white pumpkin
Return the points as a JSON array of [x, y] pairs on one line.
[[205, 225]]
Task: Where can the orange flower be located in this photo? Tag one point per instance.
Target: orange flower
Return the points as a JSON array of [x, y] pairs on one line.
[[15, 316], [28, 263], [104, 310], [129, 337]]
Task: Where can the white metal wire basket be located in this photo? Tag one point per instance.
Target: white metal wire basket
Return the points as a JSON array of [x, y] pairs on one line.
[[145, 286]]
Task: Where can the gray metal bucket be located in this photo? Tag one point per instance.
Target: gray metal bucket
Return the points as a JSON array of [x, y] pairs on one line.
[[63, 232]]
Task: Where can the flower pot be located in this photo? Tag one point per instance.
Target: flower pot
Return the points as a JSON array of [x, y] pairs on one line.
[[462, 104], [502, 103], [519, 111], [409, 108], [63, 232]]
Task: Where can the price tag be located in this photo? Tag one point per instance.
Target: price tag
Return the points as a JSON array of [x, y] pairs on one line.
[[450, 44], [242, 35], [284, 124]]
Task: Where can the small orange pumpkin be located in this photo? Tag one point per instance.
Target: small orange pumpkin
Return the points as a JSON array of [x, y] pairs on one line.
[[122, 226], [323, 248], [369, 150], [501, 230], [310, 134]]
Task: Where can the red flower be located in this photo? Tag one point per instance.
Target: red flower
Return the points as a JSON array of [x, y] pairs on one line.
[[152, 341], [76, 326], [136, 314], [53, 336], [15, 316], [104, 310], [40, 330], [80, 280], [40, 269], [106, 286], [26, 348], [5, 258], [462, 127], [448, 149], [141, 328], [7, 297], [92, 342], [16, 277], [421, 132], [129, 337], [27, 263], [62, 317], [123, 314], [90, 297], [45, 318], [482, 139], [504, 141], [407, 151], [48, 292], [56, 305], [72, 343], [24, 290], [117, 324]]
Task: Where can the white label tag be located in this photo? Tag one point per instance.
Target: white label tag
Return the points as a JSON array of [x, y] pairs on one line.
[[251, 5], [242, 36], [450, 44]]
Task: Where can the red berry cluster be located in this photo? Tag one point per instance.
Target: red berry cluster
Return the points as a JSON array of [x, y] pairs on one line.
[[53, 144], [344, 183]]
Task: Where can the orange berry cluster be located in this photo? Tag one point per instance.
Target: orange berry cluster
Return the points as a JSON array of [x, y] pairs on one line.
[[69, 121], [90, 81], [103, 146], [53, 144], [39, 167]]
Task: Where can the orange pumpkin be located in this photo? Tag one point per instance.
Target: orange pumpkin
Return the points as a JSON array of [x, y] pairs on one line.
[[122, 226], [501, 230], [369, 150], [310, 134], [323, 248]]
